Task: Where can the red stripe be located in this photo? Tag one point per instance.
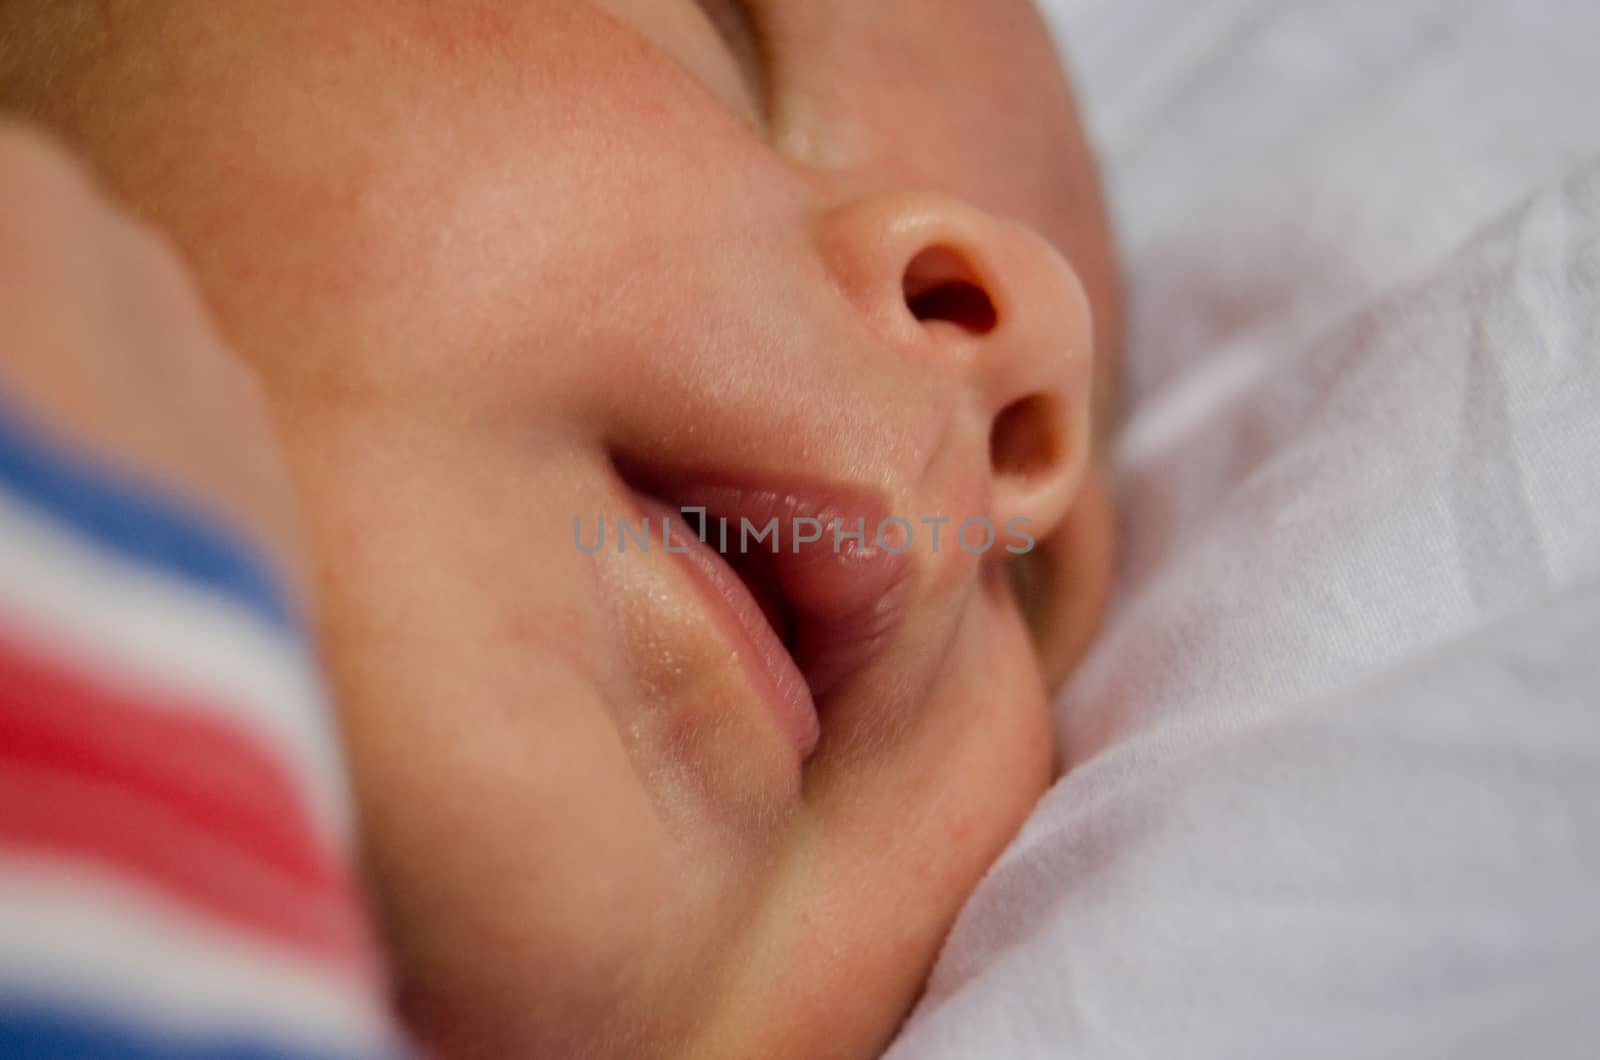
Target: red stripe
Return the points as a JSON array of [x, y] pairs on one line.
[[169, 792]]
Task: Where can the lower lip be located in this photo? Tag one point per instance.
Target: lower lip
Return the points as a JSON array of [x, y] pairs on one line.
[[763, 657]]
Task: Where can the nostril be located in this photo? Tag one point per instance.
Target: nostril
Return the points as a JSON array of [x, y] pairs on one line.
[[940, 285], [1024, 443]]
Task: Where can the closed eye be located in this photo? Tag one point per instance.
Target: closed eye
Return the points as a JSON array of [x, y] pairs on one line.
[[736, 24]]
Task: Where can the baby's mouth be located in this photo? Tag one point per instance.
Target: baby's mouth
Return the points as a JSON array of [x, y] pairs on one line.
[[811, 607], [756, 568]]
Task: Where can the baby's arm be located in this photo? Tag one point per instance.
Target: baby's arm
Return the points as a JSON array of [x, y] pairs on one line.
[[175, 874]]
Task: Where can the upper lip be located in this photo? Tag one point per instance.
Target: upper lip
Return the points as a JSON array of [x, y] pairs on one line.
[[841, 597]]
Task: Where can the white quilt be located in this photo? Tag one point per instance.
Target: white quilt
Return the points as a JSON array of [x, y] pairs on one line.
[[1334, 769]]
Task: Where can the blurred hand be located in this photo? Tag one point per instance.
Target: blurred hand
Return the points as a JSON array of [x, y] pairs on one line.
[[105, 345]]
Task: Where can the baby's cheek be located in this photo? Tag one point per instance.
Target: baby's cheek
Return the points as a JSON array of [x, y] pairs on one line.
[[504, 842]]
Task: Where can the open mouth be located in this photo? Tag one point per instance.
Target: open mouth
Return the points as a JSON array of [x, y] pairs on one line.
[[807, 593], [757, 571]]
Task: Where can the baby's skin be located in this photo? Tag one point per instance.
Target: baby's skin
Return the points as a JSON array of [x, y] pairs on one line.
[[500, 272]]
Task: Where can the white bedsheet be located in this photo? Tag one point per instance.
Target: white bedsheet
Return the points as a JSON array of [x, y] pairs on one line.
[[1334, 783]]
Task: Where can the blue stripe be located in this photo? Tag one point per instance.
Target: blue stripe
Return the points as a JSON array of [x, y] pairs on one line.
[[40, 1034], [134, 522]]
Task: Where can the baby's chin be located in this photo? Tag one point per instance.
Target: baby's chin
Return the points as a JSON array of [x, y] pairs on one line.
[[798, 904], [899, 826]]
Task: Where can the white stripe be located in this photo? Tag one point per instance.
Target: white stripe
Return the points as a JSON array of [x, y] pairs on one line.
[[78, 938], [131, 627]]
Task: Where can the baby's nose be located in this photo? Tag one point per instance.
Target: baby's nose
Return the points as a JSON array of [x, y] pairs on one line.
[[996, 301]]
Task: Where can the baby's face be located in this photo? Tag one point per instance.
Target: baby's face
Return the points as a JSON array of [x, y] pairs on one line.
[[511, 266]]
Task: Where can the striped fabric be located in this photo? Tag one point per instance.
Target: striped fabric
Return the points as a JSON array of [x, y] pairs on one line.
[[174, 825]]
